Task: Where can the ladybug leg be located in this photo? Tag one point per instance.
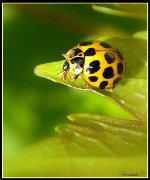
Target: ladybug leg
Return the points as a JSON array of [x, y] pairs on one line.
[[64, 76], [75, 76], [87, 85]]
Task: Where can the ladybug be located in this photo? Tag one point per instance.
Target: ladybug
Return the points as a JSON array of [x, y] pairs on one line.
[[100, 65]]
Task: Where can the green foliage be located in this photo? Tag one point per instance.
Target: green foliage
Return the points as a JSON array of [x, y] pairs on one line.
[[124, 10], [104, 136], [106, 146], [141, 35]]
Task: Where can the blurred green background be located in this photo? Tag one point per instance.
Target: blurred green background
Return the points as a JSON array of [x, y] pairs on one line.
[[34, 34]]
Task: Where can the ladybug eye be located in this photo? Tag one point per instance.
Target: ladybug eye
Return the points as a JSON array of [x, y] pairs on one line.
[[66, 66]]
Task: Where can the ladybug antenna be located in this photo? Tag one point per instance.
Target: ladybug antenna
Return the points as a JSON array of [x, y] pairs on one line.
[[60, 72], [64, 55], [66, 74]]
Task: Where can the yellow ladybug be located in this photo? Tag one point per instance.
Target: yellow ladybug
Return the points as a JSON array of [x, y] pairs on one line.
[[101, 66]]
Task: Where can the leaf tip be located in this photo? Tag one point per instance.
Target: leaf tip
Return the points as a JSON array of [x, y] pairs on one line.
[[71, 117], [39, 70]]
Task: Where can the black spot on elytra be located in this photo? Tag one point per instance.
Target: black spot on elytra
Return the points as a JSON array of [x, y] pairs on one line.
[[75, 52], [86, 43], [116, 81], [78, 60], [105, 45], [93, 78], [90, 52], [103, 84], [120, 68], [93, 67], [120, 55], [66, 66], [110, 58], [108, 73]]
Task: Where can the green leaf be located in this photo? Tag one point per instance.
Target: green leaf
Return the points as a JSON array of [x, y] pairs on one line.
[[124, 10], [138, 8], [94, 142], [104, 136], [131, 93], [141, 35]]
